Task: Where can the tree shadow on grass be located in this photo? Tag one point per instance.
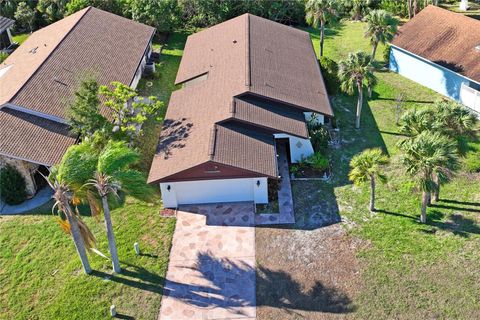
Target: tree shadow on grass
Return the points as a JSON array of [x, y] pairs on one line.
[[464, 203]]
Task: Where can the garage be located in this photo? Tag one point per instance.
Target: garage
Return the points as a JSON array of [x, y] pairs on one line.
[[214, 191]]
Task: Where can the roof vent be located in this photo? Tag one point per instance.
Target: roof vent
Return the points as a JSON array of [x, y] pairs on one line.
[[234, 41], [33, 50], [477, 48]]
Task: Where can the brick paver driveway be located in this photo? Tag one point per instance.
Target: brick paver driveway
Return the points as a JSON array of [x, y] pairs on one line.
[[211, 273]]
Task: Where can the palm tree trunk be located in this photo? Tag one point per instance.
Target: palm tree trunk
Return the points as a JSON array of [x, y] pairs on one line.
[[359, 105], [409, 5], [79, 244], [423, 216], [372, 193], [110, 236], [322, 36], [374, 51], [436, 192]]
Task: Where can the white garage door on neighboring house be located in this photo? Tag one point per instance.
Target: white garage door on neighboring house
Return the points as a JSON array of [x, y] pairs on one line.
[[214, 191]]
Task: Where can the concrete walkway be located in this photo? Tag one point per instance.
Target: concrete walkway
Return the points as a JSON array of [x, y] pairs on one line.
[[285, 197], [211, 273], [42, 197]]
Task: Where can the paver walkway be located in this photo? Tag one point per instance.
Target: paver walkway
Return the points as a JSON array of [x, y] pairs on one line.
[[285, 197], [211, 273]]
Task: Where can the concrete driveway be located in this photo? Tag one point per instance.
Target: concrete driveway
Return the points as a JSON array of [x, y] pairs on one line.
[[211, 273]]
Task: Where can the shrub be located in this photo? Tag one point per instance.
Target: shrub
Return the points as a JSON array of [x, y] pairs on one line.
[[318, 136], [12, 185], [330, 71], [273, 186], [3, 56], [386, 54], [472, 162], [318, 161]]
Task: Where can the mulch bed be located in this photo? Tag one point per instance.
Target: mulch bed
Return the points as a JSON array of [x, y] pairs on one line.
[[167, 213]]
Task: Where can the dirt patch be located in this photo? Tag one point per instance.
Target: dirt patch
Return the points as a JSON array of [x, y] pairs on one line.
[[306, 274]]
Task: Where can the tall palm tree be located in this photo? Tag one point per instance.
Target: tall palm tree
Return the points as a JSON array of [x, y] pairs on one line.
[[353, 73], [381, 28], [415, 121], [318, 13], [367, 166], [95, 174], [81, 234], [427, 154]]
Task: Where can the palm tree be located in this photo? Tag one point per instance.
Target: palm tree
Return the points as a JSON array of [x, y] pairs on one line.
[[81, 234], [381, 28], [454, 119], [415, 121], [367, 166], [95, 172], [428, 154], [353, 73], [319, 12]]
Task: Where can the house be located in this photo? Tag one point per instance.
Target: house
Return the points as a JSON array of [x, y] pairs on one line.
[[247, 84], [6, 40], [39, 79], [440, 49]]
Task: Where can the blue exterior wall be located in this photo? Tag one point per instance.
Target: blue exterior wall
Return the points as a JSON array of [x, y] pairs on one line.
[[428, 74]]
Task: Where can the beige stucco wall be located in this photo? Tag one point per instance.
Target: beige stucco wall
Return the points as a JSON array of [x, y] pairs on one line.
[[26, 169]]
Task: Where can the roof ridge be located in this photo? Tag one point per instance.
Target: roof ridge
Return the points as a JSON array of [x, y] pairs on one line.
[[53, 50], [247, 52]]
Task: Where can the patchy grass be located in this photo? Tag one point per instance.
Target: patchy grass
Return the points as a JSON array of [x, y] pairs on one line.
[[161, 86], [402, 269], [41, 276], [20, 38]]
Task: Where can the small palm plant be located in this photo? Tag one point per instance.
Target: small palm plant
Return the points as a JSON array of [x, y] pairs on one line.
[[428, 154], [353, 73], [415, 121], [381, 28], [318, 13], [367, 166]]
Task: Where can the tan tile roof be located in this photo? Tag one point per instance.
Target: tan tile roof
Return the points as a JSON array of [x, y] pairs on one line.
[[443, 37], [23, 63], [272, 115], [44, 72], [235, 56], [32, 138], [102, 44]]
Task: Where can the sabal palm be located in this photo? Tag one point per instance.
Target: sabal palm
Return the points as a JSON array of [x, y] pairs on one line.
[[415, 121], [353, 73], [381, 28], [428, 154], [318, 13], [81, 234], [454, 118], [367, 166]]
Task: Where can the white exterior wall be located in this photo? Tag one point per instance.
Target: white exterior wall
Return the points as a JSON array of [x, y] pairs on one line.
[[214, 191], [139, 72], [299, 148], [430, 75]]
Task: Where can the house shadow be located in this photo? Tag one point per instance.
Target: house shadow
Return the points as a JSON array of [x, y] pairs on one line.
[[230, 284]]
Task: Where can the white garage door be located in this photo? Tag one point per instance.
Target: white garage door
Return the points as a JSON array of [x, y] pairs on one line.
[[211, 191]]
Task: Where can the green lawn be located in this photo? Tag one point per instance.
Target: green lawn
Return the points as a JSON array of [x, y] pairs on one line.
[[20, 38], [410, 270], [40, 274]]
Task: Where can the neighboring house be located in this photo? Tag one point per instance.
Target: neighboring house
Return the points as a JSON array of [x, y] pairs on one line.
[[6, 40], [39, 79], [247, 82], [440, 49]]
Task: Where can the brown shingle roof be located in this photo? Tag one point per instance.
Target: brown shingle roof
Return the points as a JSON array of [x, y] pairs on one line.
[[268, 114], [101, 44], [443, 37], [230, 53], [245, 148], [32, 138]]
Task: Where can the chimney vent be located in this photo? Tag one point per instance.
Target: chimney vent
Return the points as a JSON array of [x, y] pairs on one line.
[[477, 48]]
